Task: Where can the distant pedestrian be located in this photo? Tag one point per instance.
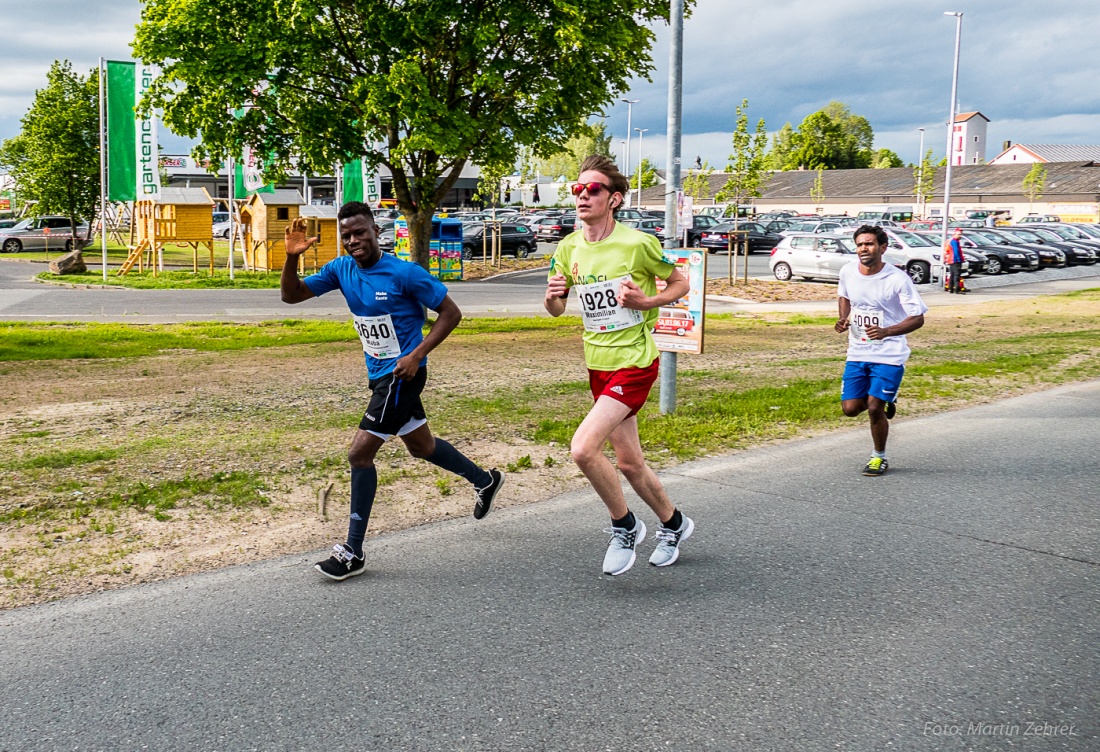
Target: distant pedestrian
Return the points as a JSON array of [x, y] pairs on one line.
[[613, 269], [387, 298], [878, 305], [990, 220], [953, 260]]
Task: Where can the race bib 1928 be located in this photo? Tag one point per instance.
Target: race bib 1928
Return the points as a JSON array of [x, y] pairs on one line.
[[378, 337], [600, 309]]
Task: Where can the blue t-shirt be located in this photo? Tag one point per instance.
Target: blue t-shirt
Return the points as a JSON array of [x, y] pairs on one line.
[[399, 289]]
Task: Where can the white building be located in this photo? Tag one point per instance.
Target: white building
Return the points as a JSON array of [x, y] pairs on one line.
[[968, 138], [1030, 153]]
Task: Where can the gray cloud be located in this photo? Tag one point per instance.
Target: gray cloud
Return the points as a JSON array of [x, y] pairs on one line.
[[1030, 67]]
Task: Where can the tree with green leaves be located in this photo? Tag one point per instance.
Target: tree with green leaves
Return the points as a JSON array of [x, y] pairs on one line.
[[589, 140], [697, 182], [648, 171], [747, 175], [884, 158], [55, 158], [817, 190], [1035, 183], [419, 86], [832, 139], [779, 156], [924, 176]]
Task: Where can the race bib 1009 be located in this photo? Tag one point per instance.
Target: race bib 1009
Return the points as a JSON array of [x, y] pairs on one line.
[[600, 309], [862, 318], [378, 337]]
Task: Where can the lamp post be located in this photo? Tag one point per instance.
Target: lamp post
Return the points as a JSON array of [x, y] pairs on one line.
[[951, 127], [626, 161], [640, 132], [920, 176], [623, 144]]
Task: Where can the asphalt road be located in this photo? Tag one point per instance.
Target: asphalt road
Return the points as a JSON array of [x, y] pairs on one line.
[[951, 605]]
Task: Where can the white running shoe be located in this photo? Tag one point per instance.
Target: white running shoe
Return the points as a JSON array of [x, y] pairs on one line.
[[668, 543], [622, 548]]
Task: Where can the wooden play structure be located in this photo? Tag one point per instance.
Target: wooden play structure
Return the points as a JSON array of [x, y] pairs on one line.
[[321, 223], [181, 215], [265, 217]]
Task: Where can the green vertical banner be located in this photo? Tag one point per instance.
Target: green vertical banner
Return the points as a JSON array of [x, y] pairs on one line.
[[248, 175], [121, 132], [353, 181]]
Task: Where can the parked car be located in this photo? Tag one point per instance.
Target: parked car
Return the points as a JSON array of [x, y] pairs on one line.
[[812, 225], [700, 223], [815, 256], [1052, 250], [1031, 218], [1074, 236], [649, 226], [760, 238], [1000, 256], [41, 233], [387, 240], [554, 229], [920, 253], [515, 240]]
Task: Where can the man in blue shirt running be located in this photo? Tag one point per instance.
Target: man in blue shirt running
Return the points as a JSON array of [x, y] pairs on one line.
[[387, 298]]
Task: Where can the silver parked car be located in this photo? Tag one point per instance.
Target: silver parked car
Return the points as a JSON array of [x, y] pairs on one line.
[[41, 233], [813, 256]]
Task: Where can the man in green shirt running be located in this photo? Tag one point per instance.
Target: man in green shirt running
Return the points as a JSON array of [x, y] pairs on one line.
[[614, 270]]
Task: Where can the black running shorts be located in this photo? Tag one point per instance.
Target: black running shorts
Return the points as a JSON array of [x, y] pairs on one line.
[[394, 403]]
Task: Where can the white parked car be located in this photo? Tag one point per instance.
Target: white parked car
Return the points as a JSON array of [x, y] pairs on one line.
[[812, 256]]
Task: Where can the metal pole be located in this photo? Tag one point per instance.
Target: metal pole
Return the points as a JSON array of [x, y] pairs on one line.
[[920, 177], [102, 167], [626, 162], [951, 128], [640, 132], [232, 224], [672, 188]]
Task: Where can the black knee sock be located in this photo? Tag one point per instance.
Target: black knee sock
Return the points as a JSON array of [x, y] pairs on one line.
[[626, 523], [449, 458], [364, 483]]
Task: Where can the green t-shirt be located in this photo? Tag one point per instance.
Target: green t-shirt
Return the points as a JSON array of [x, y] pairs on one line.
[[623, 252]]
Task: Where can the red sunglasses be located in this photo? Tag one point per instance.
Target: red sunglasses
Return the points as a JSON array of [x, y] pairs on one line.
[[593, 188]]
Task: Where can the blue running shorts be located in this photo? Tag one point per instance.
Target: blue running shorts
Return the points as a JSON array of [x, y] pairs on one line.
[[863, 379]]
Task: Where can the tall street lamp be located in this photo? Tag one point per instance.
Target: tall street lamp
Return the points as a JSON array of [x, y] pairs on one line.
[[951, 127], [640, 132], [920, 176], [626, 161]]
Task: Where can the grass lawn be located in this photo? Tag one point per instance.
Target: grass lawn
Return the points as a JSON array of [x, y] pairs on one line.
[[138, 452]]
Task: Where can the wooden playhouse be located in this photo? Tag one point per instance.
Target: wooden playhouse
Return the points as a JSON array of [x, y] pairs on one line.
[[183, 216], [321, 223], [265, 217]]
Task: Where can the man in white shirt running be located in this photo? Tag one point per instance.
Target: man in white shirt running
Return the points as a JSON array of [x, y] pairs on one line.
[[879, 305]]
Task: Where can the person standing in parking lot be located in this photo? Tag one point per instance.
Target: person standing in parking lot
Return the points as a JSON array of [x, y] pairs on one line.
[[878, 305], [953, 260], [614, 269]]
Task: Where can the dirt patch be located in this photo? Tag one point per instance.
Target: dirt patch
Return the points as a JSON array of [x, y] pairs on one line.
[[769, 291]]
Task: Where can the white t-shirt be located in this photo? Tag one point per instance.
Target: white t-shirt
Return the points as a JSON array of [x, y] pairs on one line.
[[882, 299]]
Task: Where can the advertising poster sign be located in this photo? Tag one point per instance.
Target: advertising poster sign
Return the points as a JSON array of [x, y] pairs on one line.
[[679, 326]]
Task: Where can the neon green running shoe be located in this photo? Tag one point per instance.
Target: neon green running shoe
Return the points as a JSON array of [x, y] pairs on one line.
[[876, 466]]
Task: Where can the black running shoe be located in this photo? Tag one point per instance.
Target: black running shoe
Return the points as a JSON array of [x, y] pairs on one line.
[[342, 564], [486, 495], [876, 466], [891, 410]]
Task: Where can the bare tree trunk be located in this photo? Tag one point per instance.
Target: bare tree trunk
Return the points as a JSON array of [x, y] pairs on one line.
[[420, 236]]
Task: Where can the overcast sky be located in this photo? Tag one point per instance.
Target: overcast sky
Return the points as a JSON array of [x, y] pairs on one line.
[[1030, 67]]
